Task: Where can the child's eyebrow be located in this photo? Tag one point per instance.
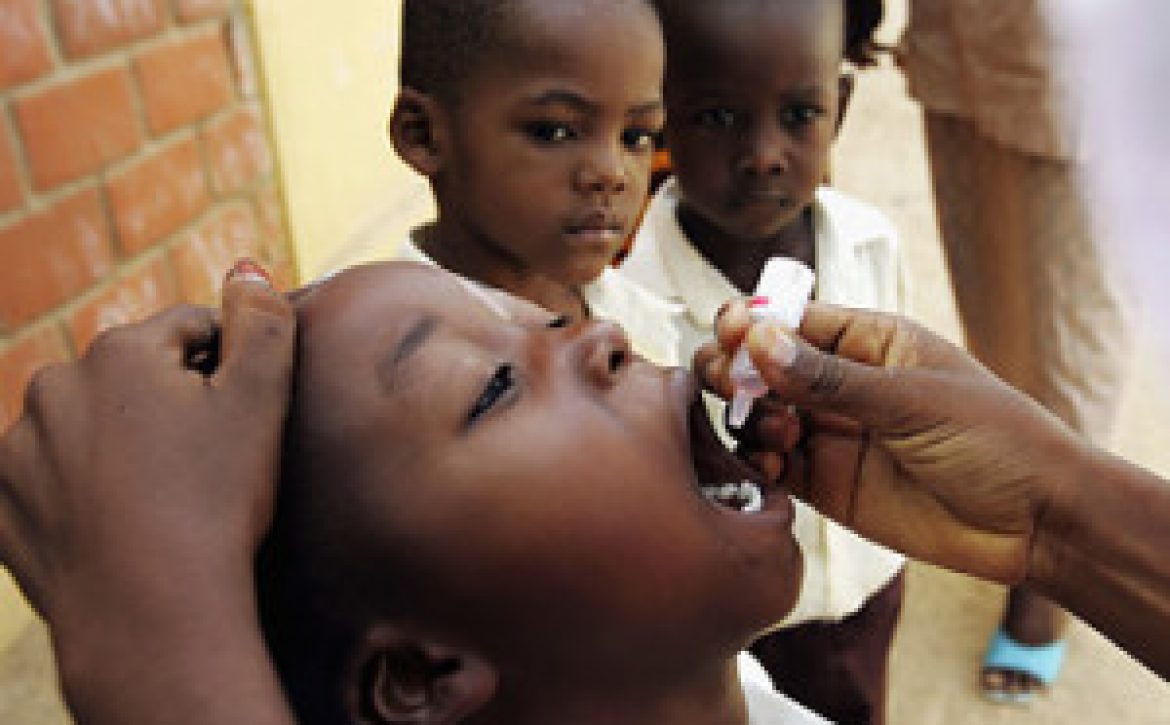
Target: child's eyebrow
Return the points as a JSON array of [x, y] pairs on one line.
[[648, 107], [410, 343], [560, 97]]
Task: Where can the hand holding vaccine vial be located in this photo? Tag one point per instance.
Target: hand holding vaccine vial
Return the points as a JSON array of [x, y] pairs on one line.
[[781, 296]]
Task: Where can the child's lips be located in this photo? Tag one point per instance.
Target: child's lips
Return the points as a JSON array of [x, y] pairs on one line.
[[763, 195], [597, 228]]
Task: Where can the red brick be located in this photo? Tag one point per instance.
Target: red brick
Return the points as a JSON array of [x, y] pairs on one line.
[[20, 360], [184, 81], [73, 129], [204, 258], [86, 27], [49, 257], [24, 51], [237, 150], [132, 298], [154, 197], [11, 195], [190, 11]]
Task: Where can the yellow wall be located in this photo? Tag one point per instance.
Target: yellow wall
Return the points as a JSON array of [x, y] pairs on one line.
[[329, 71]]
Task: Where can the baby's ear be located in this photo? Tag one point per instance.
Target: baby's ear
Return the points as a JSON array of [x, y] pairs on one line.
[[845, 86], [396, 678], [417, 131]]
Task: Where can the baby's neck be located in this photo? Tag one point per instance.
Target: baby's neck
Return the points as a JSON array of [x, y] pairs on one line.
[[741, 260], [492, 267]]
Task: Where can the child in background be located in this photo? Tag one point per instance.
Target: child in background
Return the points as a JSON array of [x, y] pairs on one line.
[[534, 122], [755, 94]]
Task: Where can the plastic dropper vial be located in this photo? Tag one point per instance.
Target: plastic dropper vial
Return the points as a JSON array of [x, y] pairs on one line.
[[781, 295]]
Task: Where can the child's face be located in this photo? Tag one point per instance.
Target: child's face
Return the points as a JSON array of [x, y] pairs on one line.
[[551, 143], [531, 486], [753, 91]]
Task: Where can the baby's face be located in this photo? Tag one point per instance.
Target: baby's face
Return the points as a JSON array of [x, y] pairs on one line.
[[529, 486]]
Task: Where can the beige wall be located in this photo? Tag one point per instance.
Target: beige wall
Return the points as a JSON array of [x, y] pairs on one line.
[[329, 73]]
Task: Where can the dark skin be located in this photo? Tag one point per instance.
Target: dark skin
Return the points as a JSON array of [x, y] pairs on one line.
[[566, 580], [891, 383], [912, 443], [116, 551], [755, 96], [541, 167]]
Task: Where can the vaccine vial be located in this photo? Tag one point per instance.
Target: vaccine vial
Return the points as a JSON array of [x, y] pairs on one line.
[[781, 295]]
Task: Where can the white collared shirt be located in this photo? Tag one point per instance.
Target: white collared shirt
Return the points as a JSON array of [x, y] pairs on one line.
[[650, 323], [765, 705], [857, 266]]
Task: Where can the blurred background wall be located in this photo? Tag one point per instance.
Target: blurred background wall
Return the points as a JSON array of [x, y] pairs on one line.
[[330, 73]]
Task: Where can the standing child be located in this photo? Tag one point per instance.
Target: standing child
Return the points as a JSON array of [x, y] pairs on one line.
[[534, 122], [755, 94]]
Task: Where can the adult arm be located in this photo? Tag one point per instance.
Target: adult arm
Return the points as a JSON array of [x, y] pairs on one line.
[[913, 444], [133, 495]]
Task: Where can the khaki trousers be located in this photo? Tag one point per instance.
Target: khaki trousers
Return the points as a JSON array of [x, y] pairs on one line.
[[1038, 302]]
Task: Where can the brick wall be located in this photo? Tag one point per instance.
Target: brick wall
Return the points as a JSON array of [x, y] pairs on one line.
[[134, 168]]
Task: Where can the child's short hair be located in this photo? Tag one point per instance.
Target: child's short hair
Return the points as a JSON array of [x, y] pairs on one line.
[[442, 40], [862, 18]]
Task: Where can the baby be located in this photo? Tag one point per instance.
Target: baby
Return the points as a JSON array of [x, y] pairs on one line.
[[463, 530]]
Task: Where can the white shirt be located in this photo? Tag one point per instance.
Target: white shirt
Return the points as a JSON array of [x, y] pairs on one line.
[[649, 322], [858, 266], [765, 705]]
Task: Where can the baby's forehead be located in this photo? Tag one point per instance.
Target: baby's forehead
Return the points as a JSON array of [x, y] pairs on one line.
[[366, 300]]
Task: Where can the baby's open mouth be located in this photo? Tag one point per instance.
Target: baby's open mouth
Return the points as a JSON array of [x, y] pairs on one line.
[[723, 478]]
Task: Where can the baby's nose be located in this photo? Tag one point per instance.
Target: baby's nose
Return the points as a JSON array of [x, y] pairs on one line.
[[605, 352]]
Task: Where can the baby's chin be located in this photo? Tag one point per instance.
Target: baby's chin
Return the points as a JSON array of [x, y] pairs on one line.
[[583, 269]]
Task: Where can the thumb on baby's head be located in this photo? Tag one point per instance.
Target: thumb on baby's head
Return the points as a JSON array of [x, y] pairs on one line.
[[258, 334]]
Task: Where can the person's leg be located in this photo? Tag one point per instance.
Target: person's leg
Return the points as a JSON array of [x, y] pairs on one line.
[[838, 669], [1037, 303]]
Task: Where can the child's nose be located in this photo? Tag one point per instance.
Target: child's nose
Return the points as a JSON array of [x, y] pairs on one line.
[[766, 152], [603, 172], [603, 352]]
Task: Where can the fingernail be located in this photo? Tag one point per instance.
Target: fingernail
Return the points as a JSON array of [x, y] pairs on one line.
[[776, 343], [246, 270]]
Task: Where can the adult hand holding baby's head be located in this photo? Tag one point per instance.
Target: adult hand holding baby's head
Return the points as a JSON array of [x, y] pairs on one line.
[[145, 471]]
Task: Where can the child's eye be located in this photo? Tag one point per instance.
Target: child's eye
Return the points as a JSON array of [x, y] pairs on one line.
[[638, 139], [549, 132], [501, 383], [799, 116], [716, 118], [558, 322]]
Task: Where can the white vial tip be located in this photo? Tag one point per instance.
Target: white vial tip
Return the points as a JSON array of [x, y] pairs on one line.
[[741, 407], [788, 284]]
